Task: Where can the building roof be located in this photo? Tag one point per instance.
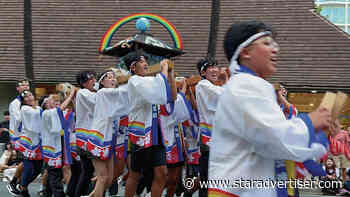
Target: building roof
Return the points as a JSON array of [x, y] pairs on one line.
[[66, 36]]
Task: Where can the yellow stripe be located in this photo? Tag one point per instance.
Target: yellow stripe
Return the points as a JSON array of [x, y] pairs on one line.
[[290, 168]]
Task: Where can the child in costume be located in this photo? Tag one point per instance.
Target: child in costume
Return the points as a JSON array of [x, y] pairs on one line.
[[15, 128], [111, 104], [84, 106], [207, 95], [54, 137], [29, 142], [172, 130], [146, 141], [250, 130]]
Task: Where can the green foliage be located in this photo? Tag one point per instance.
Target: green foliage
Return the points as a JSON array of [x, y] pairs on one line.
[[318, 9]]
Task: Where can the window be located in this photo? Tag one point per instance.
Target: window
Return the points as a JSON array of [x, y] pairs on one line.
[[334, 13], [332, 0], [341, 27]]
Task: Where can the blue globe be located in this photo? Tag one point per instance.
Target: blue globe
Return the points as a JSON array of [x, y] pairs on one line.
[[143, 24]]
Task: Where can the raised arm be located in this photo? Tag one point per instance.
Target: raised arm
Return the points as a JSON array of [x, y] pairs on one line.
[[68, 99]]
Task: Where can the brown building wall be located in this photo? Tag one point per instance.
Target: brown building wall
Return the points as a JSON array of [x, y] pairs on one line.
[[66, 36], [313, 52], [11, 40]]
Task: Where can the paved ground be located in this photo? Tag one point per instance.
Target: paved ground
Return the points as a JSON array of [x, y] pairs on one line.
[[35, 187]]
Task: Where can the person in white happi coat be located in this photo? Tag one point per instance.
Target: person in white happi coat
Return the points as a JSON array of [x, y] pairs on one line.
[[146, 141], [84, 106], [14, 129], [250, 129], [207, 95], [55, 140], [29, 142], [172, 130], [111, 104]]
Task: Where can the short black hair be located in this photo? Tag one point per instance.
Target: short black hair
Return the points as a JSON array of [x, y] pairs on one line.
[[240, 32], [41, 100], [132, 58], [21, 80], [84, 76], [205, 63], [6, 113]]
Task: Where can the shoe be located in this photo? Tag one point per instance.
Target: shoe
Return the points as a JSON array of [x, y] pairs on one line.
[[342, 192], [11, 187]]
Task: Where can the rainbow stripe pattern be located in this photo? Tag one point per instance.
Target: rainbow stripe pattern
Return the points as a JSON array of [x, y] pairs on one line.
[[219, 193], [205, 129], [107, 37]]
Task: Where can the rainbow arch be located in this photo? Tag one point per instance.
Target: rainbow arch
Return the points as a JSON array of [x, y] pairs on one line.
[[107, 37]]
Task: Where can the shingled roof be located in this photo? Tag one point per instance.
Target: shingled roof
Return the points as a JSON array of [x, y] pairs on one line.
[[66, 34]]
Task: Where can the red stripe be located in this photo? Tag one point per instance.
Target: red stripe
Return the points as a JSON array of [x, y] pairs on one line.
[[124, 121], [223, 193]]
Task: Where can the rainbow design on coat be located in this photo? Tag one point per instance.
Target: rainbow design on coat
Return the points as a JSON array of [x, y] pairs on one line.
[[107, 37], [219, 193], [205, 132]]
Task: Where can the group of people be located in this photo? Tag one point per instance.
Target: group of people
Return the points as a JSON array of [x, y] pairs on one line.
[[230, 125]]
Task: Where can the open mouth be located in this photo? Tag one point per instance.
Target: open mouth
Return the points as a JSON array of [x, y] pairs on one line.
[[274, 59]]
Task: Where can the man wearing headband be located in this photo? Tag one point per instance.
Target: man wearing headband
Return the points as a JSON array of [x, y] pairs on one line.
[[250, 130], [111, 104], [207, 94], [147, 149], [53, 140], [85, 103], [15, 128]]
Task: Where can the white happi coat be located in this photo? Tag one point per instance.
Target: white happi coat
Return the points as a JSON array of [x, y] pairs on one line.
[[29, 142], [251, 132], [171, 128], [111, 104], [144, 95], [15, 119], [51, 138], [207, 95], [85, 104]]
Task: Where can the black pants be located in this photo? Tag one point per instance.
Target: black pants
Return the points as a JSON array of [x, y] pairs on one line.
[[203, 165], [73, 182], [54, 184], [145, 181], [32, 169], [86, 174]]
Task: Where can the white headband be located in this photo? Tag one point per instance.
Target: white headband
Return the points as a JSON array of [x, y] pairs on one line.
[[234, 63], [103, 76], [134, 62]]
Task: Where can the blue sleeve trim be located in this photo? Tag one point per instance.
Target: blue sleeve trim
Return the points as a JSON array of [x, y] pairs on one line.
[[19, 98], [188, 105], [167, 87], [168, 93], [310, 127], [314, 168]]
